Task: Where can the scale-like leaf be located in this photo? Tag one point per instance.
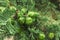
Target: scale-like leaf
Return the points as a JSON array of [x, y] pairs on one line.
[[5, 15], [13, 29]]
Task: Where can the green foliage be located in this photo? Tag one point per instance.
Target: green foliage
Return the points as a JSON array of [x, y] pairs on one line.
[[30, 19]]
